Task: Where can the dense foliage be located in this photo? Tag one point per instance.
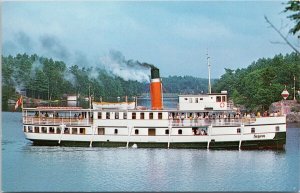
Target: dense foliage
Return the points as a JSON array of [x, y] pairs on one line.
[[262, 82], [45, 78]]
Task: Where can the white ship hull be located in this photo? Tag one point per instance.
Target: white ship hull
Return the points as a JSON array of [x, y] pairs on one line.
[[263, 132]]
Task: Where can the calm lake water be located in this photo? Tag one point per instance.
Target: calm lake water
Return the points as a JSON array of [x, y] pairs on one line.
[[32, 168]]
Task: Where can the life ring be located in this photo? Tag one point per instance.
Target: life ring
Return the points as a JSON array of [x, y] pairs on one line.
[[222, 105]]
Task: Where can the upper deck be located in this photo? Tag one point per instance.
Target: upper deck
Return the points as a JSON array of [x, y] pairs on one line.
[[76, 116]]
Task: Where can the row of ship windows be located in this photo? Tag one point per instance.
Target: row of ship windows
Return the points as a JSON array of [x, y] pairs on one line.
[[74, 130], [101, 130], [197, 100], [133, 115]]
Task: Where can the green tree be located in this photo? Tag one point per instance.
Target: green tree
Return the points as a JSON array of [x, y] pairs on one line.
[[294, 6]]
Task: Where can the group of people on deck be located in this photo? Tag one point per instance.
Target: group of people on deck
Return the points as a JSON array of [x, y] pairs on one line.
[[46, 115]]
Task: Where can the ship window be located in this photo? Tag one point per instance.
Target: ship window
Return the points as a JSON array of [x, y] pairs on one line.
[[67, 130], [196, 100], [24, 128], [218, 98], [30, 129], [151, 132], [82, 130], [36, 129], [101, 131], [136, 131], [107, 115], [116, 131], [150, 115], [186, 99], [124, 115], [51, 129], [190, 100], [277, 128], [201, 99], [252, 130], [167, 131], [180, 131], [238, 130], [44, 129], [223, 98], [159, 115], [133, 115], [74, 130], [117, 115], [99, 115], [58, 130], [142, 115]]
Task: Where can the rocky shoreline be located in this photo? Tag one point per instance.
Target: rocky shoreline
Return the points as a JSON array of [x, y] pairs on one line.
[[293, 117], [290, 107]]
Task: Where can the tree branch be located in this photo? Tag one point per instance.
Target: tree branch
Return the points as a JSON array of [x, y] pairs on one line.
[[284, 38]]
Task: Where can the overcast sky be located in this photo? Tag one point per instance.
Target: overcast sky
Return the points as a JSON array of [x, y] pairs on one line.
[[174, 36]]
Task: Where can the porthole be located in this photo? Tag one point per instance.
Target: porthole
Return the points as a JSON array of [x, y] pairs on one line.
[[136, 131], [167, 131]]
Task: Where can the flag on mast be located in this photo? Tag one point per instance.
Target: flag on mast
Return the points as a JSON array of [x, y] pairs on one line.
[[19, 102]]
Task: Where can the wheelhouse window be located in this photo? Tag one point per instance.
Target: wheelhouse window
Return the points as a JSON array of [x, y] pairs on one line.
[[167, 131], [58, 130], [223, 98], [136, 131], [238, 130], [179, 131], [116, 131], [277, 128], [24, 128], [252, 130], [159, 115], [133, 115], [218, 99], [150, 115], [124, 115], [99, 115], [196, 100], [142, 115], [190, 100]]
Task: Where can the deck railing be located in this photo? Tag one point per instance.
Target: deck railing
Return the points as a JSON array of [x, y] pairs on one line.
[[57, 120], [213, 122]]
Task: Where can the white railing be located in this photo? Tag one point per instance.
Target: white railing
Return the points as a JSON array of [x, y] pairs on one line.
[[56, 120], [213, 122]]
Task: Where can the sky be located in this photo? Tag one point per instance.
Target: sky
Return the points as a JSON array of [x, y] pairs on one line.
[[175, 36]]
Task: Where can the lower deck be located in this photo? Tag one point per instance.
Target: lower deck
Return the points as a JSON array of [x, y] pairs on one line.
[[246, 137]]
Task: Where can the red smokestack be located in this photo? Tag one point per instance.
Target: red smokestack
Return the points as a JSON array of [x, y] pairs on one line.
[[156, 90]]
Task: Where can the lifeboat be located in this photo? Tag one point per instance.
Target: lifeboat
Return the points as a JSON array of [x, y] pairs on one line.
[[111, 105]]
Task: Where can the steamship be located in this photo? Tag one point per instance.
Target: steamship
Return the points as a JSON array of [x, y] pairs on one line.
[[199, 121]]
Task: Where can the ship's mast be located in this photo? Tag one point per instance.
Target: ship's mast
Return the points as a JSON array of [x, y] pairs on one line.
[[208, 64]]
